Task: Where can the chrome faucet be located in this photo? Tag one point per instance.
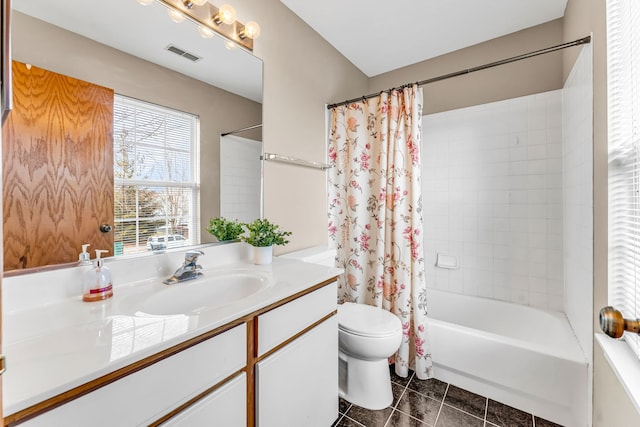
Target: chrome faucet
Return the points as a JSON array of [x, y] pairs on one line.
[[187, 271]]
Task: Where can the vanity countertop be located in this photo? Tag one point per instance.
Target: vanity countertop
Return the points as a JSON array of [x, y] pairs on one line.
[[55, 347]]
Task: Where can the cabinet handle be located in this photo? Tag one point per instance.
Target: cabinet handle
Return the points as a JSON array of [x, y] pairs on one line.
[[3, 364]]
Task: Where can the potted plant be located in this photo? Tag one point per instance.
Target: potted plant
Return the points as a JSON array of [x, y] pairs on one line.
[[225, 230], [262, 236]]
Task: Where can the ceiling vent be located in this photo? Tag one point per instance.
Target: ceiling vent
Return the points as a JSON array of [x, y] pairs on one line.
[[183, 53]]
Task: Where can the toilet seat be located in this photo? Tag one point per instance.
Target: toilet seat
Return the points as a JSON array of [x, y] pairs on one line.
[[367, 321]]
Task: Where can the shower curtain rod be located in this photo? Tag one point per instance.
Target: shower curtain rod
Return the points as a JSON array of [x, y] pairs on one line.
[[577, 42], [259, 125]]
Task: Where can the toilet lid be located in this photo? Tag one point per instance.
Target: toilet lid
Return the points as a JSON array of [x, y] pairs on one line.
[[366, 320]]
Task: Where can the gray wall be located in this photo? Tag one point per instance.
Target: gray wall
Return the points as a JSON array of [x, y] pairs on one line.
[[302, 73], [535, 75]]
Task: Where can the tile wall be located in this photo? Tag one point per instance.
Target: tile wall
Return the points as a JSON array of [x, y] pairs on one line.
[[240, 178], [577, 106], [493, 198], [577, 99]]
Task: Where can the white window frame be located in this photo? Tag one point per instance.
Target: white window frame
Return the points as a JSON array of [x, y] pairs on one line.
[[623, 96], [193, 183]]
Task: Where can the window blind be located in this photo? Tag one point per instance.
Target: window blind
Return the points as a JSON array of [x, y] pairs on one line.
[[155, 175], [623, 43]]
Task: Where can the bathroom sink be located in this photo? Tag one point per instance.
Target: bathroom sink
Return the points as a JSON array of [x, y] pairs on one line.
[[207, 292]]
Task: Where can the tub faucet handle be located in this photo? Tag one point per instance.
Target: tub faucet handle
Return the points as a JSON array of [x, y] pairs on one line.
[[613, 324]]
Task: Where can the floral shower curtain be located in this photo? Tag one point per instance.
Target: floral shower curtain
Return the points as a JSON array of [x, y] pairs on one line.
[[375, 214]]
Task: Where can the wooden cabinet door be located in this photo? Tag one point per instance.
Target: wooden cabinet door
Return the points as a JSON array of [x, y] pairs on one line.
[[57, 168]]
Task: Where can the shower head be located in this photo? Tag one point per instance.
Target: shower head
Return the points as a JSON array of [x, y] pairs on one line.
[[613, 324]]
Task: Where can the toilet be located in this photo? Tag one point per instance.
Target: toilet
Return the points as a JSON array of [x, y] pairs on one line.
[[367, 336]]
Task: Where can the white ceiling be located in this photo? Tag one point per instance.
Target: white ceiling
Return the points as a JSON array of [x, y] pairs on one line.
[[383, 35], [145, 32]]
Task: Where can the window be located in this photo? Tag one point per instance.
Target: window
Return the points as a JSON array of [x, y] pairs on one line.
[[623, 41], [156, 177]]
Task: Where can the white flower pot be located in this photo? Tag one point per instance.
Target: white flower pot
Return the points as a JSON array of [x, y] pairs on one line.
[[262, 255]]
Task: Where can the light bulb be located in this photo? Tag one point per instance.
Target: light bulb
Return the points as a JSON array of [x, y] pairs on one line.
[[226, 15], [205, 33], [176, 16], [251, 31], [199, 2], [145, 2]]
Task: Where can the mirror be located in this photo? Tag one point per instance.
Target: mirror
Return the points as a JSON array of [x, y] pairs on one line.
[[122, 45]]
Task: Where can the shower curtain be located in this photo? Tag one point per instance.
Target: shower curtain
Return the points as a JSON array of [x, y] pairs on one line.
[[375, 214]]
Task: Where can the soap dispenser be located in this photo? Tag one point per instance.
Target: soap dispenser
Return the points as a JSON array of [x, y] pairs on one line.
[[98, 285], [84, 258]]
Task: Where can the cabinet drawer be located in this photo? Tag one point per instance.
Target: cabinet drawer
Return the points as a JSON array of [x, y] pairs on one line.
[[148, 394], [280, 324], [227, 406]]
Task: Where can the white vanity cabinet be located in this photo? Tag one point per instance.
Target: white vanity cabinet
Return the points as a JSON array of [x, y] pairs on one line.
[[147, 395], [273, 366], [297, 371]]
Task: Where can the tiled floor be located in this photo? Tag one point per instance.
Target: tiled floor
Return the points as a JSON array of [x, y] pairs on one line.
[[418, 403]]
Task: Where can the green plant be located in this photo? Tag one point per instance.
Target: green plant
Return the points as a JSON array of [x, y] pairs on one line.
[[263, 233], [225, 229]]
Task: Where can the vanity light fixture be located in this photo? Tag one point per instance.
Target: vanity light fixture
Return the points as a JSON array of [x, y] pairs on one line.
[[250, 31], [226, 15], [211, 20]]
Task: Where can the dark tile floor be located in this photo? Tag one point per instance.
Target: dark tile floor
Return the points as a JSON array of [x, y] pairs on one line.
[[434, 403]]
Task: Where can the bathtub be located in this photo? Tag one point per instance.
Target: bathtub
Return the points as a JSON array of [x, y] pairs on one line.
[[521, 356]]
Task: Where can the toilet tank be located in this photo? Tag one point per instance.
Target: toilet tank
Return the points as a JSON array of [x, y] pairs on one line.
[[316, 255]]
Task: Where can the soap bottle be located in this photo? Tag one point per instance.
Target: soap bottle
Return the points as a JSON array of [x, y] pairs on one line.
[[97, 285], [84, 258]]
